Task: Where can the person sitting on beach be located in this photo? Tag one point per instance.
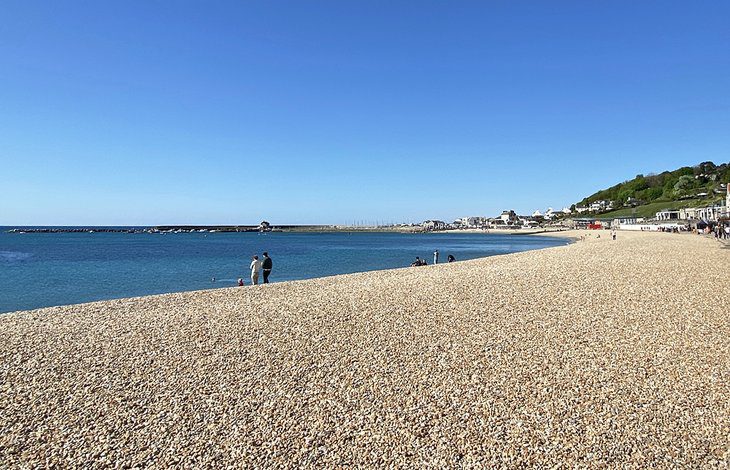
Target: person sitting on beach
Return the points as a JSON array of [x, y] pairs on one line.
[[240, 282], [451, 259], [417, 262], [255, 268]]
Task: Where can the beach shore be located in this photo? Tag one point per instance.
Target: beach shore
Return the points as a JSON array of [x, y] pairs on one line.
[[597, 353]]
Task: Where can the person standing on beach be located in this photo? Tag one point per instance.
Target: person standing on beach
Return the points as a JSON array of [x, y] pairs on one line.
[[436, 257], [255, 268], [267, 265]]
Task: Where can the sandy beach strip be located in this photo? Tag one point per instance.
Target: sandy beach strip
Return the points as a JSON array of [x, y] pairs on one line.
[[600, 353]]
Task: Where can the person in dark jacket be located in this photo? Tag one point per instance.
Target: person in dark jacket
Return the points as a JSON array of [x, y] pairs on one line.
[[266, 266]]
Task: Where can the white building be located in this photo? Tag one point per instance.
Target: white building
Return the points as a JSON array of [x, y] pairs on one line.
[[619, 221], [434, 225], [509, 217], [600, 206], [713, 212], [668, 214]]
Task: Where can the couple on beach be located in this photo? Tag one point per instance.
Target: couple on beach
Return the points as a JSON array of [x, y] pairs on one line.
[[258, 265]]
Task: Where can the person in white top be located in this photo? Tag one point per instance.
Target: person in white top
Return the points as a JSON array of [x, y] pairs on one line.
[[255, 268]]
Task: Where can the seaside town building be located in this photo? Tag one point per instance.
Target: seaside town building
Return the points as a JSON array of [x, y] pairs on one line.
[[667, 214], [601, 206], [529, 222], [629, 220], [434, 225], [473, 222], [632, 202], [509, 217]]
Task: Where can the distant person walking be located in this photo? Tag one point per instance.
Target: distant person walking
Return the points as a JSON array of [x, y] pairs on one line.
[[436, 257], [255, 268], [267, 265]]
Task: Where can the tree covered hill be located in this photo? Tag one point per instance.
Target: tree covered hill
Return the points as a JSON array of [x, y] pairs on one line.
[[705, 180]]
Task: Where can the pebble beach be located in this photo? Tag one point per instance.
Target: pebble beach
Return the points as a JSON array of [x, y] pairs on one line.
[[598, 353]]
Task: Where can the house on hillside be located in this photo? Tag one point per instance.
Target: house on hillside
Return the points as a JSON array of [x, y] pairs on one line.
[[633, 202], [601, 206]]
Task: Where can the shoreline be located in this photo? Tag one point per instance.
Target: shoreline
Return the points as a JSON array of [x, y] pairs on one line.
[[592, 353], [247, 285]]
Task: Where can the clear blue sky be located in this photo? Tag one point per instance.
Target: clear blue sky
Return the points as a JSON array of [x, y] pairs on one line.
[[156, 112]]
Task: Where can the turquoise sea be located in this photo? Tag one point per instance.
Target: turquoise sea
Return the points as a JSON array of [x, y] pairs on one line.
[[46, 269]]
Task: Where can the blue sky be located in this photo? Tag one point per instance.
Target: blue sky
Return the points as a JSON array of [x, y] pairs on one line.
[[157, 112]]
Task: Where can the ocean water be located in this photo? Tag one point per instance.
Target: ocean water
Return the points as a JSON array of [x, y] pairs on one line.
[[47, 269]]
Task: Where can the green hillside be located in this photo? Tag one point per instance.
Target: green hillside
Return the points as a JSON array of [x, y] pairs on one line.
[[644, 195]]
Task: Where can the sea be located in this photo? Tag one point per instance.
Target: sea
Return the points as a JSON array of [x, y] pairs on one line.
[[49, 269]]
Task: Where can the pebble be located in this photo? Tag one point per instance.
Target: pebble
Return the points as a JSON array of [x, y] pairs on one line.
[[599, 353]]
